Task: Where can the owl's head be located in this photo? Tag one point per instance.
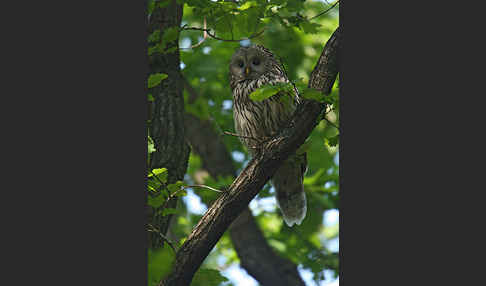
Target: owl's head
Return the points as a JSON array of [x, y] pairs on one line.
[[251, 62]]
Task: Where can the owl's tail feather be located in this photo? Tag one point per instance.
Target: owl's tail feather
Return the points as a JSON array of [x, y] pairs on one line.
[[288, 183]]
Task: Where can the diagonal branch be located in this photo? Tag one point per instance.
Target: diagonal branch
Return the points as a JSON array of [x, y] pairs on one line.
[[256, 255], [259, 170]]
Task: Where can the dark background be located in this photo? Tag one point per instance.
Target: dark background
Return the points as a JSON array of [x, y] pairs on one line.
[[407, 72]]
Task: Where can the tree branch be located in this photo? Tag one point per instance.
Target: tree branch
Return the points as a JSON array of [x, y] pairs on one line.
[[208, 31], [259, 170], [256, 255], [325, 11], [258, 258]]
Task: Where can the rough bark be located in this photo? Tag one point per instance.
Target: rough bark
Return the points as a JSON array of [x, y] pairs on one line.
[[167, 113], [256, 255], [258, 258], [258, 171]]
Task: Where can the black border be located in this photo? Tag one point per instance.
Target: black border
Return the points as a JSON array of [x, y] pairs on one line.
[[82, 147], [79, 144]]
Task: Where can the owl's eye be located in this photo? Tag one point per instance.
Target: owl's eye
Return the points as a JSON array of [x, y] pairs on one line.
[[256, 61], [240, 64]]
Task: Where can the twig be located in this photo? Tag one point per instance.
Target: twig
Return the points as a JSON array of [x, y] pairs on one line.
[[242, 136], [325, 11], [297, 94], [186, 187], [205, 35], [208, 31], [171, 196], [248, 137], [203, 186], [153, 229]]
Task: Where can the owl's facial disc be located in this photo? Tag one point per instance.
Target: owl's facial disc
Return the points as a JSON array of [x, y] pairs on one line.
[[255, 66], [248, 64]]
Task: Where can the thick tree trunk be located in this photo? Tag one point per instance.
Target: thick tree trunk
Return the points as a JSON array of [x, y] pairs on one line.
[[258, 258], [256, 255], [167, 114], [256, 174]]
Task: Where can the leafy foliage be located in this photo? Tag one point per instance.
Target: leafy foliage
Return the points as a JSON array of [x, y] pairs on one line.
[[293, 34], [207, 277], [267, 91], [155, 79], [159, 264]]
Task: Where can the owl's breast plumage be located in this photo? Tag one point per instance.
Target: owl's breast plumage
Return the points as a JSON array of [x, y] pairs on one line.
[[258, 119]]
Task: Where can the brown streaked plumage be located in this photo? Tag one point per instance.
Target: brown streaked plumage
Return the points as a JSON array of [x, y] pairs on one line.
[[250, 68]]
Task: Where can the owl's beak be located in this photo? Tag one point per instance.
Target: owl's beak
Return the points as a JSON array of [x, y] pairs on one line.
[[247, 71]]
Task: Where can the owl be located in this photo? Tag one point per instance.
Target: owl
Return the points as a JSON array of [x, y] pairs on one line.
[[250, 68]]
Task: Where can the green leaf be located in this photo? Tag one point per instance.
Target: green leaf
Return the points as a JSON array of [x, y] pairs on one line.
[[308, 27], [155, 48], [304, 147], [267, 90], [312, 180], [181, 193], [333, 98], [333, 141], [310, 93], [300, 84], [331, 231], [175, 187], [295, 6], [154, 183], [151, 188], [248, 5], [168, 211], [164, 3], [277, 245], [150, 97], [150, 6], [156, 202], [170, 34], [158, 171], [159, 264], [170, 50], [151, 145], [155, 79], [154, 37], [151, 148], [161, 174], [208, 277]]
